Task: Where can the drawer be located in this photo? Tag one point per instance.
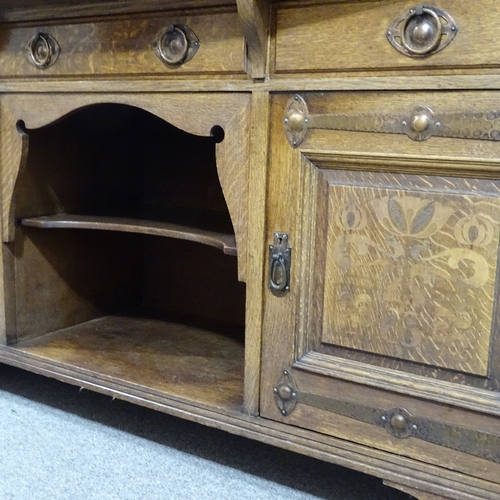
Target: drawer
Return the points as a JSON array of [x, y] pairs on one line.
[[125, 47], [354, 36]]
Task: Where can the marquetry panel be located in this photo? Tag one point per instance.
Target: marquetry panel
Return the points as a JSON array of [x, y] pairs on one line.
[[411, 275]]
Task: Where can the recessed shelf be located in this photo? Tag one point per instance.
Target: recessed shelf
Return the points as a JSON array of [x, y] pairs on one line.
[[118, 210], [225, 242], [173, 357]]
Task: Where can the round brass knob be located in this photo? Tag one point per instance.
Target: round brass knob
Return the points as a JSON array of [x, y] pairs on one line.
[[420, 122], [422, 31], [398, 422]]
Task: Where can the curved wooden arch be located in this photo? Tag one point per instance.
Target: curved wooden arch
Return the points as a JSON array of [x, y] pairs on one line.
[[196, 114]]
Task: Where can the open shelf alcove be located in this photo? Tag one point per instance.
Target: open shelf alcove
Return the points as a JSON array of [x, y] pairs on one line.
[[123, 258]]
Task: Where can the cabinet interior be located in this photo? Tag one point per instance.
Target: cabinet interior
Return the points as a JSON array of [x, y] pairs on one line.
[[124, 255]]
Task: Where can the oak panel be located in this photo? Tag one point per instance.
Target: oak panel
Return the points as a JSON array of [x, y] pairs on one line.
[[412, 274], [123, 47], [351, 36], [192, 362]]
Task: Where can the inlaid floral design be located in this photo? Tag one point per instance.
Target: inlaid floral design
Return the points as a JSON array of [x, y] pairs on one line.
[[351, 217], [410, 215], [474, 230], [419, 268]]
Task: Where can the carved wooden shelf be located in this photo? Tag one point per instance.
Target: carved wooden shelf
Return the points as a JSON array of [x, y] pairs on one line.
[[225, 242], [175, 357]]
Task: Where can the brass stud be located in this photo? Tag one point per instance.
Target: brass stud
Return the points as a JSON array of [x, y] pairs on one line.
[[398, 422], [420, 122], [285, 392], [296, 121]]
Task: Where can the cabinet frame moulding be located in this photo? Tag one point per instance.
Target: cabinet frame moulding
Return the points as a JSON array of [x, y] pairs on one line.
[[254, 15], [289, 84]]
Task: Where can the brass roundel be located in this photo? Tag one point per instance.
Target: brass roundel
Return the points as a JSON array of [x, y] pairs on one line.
[[398, 422], [420, 122], [285, 392], [296, 121], [422, 31]]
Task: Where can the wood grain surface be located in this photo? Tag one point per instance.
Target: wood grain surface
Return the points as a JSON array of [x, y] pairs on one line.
[[394, 242], [303, 188], [189, 362], [351, 36], [232, 154], [123, 47], [23, 11], [254, 15], [224, 242]]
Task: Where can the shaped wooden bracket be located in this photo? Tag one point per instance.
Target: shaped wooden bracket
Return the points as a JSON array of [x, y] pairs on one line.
[[254, 14]]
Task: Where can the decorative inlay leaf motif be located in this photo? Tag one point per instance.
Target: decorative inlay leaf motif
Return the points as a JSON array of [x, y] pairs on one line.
[[411, 215], [474, 230], [397, 215], [412, 275], [473, 233], [350, 219], [423, 218]]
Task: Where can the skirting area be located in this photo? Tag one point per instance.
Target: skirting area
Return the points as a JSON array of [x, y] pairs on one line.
[[58, 443]]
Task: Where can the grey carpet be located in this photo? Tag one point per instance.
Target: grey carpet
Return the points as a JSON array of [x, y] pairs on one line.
[[57, 443]]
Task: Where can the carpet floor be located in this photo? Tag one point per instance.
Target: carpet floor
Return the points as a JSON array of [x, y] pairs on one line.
[[57, 443]]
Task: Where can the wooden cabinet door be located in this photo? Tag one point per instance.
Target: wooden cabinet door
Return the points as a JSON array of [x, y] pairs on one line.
[[387, 333]]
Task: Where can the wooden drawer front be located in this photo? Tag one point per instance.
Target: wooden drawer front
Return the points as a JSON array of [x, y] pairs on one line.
[[352, 36], [124, 47]]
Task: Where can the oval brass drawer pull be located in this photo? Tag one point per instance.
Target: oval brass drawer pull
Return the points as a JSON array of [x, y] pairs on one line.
[[422, 31], [42, 50], [176, 45]]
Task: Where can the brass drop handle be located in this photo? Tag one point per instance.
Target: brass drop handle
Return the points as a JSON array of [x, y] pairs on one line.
[[175, 45], [279, 265], [277, 278], [421, 31], [42, 50]]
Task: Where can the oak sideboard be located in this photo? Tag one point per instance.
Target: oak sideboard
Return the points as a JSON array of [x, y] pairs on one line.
[[277, 218]]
